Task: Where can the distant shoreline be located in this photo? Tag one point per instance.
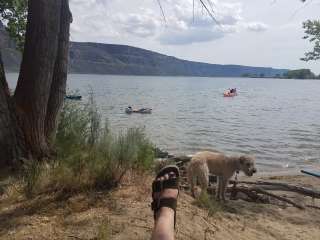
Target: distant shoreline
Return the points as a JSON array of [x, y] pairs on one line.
[[177, 76]]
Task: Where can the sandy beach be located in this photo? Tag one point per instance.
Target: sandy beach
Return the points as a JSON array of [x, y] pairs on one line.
[[125, 214]]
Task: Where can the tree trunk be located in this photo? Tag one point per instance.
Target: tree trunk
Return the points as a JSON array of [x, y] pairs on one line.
[[36, 73], [11, 143], [59, 81], [29, 118]]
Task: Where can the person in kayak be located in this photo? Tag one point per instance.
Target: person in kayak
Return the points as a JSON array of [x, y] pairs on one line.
[[233, 90]]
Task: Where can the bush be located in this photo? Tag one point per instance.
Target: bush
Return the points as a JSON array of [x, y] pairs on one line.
[[209, 202], [104, 231], [31, 174], [88, 155]]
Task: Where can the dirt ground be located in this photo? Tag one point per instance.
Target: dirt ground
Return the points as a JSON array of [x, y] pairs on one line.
[[125, 214]]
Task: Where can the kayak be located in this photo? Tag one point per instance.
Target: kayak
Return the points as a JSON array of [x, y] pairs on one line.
[[141, 110], [312, 173], [229, 94], [73, 97]]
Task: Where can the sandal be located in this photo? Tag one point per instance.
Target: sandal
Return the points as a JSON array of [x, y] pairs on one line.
[[158, 186]]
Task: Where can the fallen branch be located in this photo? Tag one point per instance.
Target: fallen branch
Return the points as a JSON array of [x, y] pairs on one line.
[[259, 190], [253, 194], [281, 187], [314, 207]]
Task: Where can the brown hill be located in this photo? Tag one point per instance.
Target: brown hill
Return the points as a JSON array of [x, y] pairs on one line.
[[98, 58]]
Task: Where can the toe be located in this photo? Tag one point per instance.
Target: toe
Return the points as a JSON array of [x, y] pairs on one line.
[[172, 175]]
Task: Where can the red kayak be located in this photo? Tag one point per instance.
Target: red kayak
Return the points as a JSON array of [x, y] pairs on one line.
[[229, 94]]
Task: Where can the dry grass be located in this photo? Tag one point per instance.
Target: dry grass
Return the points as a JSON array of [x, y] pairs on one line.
[[124, 213], [104, 232], [209, 203]]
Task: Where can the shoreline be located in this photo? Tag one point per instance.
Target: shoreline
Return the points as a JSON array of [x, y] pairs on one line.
[[290, 171], [124, 213], [181, 76]]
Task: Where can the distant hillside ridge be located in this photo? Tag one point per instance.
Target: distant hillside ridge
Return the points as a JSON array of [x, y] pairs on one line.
[[121, 59], [98, 58]]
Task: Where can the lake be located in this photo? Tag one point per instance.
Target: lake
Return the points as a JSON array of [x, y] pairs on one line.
[[276, 120]]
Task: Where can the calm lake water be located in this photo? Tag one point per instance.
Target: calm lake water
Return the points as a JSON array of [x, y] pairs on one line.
[[276, 120]]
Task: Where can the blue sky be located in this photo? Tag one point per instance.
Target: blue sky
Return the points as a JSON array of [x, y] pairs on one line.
[[251, 32]]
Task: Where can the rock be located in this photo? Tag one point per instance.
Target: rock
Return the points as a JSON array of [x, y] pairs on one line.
[[160, 153]]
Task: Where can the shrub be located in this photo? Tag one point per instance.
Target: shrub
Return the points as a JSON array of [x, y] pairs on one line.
[[104, 232], [31, 173], [88, 155], [208, 202]]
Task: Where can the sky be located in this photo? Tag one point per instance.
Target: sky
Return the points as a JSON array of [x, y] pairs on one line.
[[266, 33]]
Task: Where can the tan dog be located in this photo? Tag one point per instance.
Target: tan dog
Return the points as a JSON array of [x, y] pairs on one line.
[[220, 165]]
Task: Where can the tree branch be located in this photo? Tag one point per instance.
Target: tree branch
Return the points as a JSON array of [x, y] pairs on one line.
[[282, 187]]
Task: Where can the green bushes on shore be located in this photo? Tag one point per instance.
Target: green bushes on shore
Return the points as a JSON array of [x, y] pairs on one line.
[[88, 155]]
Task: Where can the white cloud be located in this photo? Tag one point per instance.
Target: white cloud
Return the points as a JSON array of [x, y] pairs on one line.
[[90, 21], [192, 35], [104, 20], [140, 25], [125, 22], [256, 27], [185, 26], [229, 13]]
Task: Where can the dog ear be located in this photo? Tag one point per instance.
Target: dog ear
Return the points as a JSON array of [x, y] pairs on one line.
[[242, 160]]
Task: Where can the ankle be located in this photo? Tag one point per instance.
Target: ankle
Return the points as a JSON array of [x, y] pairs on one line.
[[165, 212]]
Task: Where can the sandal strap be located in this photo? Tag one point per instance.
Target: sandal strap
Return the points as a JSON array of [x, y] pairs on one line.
[[167, 169], [164, 202], [159, 186], [171, 183]]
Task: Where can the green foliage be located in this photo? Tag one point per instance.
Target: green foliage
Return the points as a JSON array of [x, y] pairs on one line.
[[89, 155], [312, 31], [14, 13], [31, 174], [246, 75], [104, 232], [300, 74], [208, 202]]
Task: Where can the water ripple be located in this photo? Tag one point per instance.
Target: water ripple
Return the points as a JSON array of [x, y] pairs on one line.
[[271, 119]]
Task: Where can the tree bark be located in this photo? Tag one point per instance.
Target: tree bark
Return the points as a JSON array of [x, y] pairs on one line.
[[36, 73], [11, 142], [59, 81], [29, 118]]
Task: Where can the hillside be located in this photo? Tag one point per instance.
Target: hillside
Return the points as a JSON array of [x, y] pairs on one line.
[[121, 59], [97, 58]]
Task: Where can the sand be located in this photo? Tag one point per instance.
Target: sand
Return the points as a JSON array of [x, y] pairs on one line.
[[125, 214]]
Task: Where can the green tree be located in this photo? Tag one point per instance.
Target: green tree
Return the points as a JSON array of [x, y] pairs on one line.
[[14, 13], [312, 31], [28, 119], [300, 74]]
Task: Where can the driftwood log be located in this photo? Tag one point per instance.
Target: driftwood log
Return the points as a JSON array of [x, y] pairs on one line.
[[256, 194], [283, 199], [276, 186], [252, 195]]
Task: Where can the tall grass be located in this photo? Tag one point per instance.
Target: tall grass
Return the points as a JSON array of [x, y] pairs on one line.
[[89, 155], [208, 202]]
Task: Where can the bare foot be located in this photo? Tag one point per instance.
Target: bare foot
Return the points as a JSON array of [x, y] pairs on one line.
[[166, 193]]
